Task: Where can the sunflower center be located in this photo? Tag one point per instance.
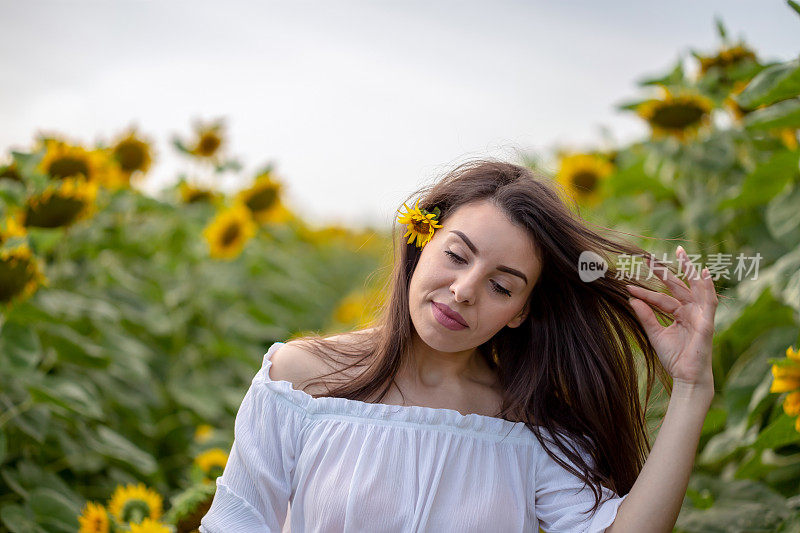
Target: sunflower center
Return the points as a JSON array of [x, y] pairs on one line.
[[677, 115], [231, 233], [131, 155], [11, 173], [262, 199], [421, 227], [135, 511], [66, 166], [15, 273], [208, 144], [197, 195], [585, 180], [53, 212]]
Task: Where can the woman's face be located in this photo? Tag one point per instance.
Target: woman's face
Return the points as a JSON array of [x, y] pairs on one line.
[[480, 284]]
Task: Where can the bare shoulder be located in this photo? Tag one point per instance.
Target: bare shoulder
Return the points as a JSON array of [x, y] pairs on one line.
[[293, 362]]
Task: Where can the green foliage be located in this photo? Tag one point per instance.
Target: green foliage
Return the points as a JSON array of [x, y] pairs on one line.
[[734, 188], [139, 338]]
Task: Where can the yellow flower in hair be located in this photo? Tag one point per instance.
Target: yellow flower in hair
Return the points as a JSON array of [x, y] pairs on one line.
[[420, 222]]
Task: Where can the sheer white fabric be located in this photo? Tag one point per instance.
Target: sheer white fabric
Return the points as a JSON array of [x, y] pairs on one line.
[[310, 464]]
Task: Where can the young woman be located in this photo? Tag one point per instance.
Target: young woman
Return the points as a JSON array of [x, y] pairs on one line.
[[497, 392]]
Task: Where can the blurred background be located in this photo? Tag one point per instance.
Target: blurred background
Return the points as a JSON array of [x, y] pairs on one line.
[[262, 151]]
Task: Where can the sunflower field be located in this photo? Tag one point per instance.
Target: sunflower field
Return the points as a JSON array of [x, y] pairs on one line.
[[121, 379]]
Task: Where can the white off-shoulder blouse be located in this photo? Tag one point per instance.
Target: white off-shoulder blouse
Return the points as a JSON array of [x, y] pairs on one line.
[[330, 465]]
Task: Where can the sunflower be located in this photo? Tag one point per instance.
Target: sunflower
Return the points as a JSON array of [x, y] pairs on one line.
[[94, 519], [12, 229], [581, 174], [676, 115], [202, 433], [149, 526], [791, 404], [209, 139], [190, 194], [229, 231], [134, 503], [20, 275], [726, 57], [61, 204], [358, 308], [262, 197], [110, 174], [787, 376], [212, 462], [133, 153], [420, 222], [63, 160], [788, 137]]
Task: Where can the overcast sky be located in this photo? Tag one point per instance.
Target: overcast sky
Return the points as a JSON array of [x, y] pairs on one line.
[[357, 102]]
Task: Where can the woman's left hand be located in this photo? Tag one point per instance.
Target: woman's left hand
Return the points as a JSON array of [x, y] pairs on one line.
[[684, 347]]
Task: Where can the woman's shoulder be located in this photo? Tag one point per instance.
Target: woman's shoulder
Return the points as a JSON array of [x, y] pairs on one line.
[[295, 363]]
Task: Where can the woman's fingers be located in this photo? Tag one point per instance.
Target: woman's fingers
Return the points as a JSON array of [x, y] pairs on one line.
[[647, 317], [665, 302], [675, 285], [693, 275]]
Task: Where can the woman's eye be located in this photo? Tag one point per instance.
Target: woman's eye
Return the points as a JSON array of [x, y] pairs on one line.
[[454, 258], [495, 286]]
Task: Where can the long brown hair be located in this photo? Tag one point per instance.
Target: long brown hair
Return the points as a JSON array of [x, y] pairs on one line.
[[570, 368]]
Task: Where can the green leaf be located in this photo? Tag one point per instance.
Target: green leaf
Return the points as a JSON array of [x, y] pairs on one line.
[[721, 28], [68, 395], [785, 114], [53, 510], [783, 215], [794, 5], [766, 180], [19, 519], [3, 446], [34, 422], [773, 84], [674, 77], [738, 506], [19, 346], [44, 240], [12, 192], [196, 398], [74, 347], [715, 421], [113, 445], [779, 433], [791, 293]]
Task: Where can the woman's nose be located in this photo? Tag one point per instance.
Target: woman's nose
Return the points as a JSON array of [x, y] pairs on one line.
[[463, 289]]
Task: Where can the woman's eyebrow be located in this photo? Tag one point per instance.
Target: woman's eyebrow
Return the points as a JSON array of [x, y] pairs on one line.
[[502, 268]]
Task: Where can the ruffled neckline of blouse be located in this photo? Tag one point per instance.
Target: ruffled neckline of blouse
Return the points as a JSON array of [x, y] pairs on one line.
[[396, 415]]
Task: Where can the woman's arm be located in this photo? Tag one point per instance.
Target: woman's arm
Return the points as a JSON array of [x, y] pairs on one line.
[[655, 499], [684, 348]]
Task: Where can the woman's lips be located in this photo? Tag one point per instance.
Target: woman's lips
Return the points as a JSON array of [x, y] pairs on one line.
[[442, 312]]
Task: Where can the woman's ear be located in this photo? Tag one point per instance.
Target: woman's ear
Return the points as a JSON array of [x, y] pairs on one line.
[[520, 317]]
